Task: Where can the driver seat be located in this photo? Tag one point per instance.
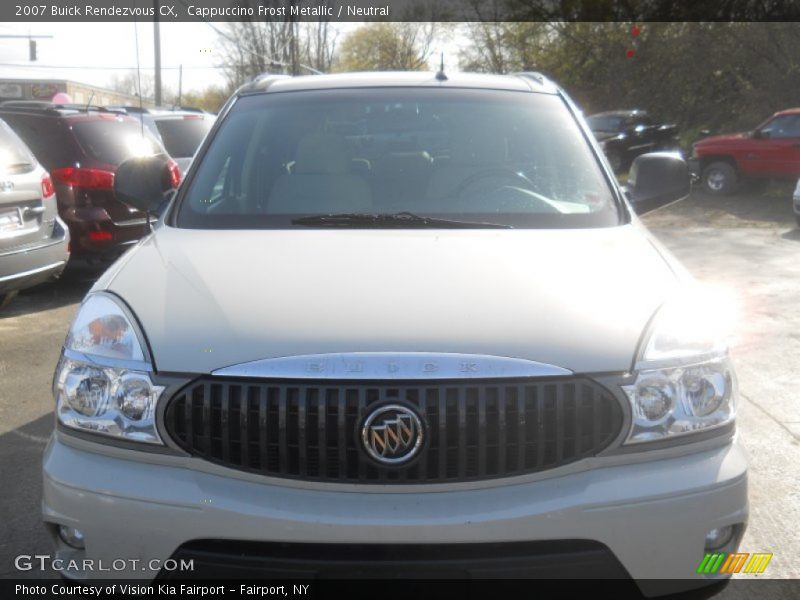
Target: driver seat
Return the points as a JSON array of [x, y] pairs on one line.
[[472, 150]]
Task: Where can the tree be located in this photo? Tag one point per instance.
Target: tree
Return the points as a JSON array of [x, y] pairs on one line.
[[720, 76], [250, 48], [211, 99], [128, 83], [387, 46]]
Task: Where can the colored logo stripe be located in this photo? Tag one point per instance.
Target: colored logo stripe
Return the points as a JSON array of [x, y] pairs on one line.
[[720, 562]]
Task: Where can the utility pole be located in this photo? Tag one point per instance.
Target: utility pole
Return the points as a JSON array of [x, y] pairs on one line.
[[157, 52], [180, 83]]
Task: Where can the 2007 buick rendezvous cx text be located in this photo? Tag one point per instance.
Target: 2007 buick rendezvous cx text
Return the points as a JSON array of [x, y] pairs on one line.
[[403, 317]]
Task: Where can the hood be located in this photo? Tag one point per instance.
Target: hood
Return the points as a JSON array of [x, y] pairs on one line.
[[578, 299], [715, 140]]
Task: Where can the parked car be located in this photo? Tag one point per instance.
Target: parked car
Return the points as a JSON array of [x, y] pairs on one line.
[[626, 134], [180, 130], [309, 368], [34, 241], [81, 147], [770, 151]]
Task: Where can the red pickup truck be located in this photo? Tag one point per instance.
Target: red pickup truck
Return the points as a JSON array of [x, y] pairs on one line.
[[770, 151]]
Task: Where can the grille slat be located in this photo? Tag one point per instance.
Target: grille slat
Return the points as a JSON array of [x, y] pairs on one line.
[[283, 446], [262, 428], [322, 438], [474, 430], [341, 421]]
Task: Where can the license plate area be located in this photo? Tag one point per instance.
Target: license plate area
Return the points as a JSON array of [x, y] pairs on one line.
[[10, 220]]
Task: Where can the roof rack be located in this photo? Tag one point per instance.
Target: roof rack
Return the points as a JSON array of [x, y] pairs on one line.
[[55, 108], [260, 83], [535, 75]]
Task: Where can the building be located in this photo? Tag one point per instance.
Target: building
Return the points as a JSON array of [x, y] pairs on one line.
[[81, 93]]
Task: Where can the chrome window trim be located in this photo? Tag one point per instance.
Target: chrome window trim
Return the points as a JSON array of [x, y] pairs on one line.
[[391, 365]]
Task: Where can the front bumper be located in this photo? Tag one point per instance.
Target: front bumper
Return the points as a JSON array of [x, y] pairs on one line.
[[30, 265], [653, 516]]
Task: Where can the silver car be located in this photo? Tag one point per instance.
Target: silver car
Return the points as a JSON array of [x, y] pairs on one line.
[[34, 242], [398, 323]]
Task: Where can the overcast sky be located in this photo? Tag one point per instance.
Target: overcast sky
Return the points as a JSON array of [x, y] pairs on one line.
[[94, 52]]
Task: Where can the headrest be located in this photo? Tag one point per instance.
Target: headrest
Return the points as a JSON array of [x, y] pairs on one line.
[[322, 153]]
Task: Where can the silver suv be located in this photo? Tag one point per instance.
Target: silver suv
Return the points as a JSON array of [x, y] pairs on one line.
[[398, 323], [34, 241]]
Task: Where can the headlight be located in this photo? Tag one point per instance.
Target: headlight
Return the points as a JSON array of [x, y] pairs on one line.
[[684, 382], [103, 381]]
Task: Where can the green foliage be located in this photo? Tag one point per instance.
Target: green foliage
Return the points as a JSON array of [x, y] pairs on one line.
[[211, 99], [385, 46], [716, 76]]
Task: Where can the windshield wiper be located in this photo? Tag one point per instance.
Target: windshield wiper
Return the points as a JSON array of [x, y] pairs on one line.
[[401, 220]]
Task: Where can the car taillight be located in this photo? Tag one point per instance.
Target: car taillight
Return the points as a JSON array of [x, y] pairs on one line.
[[47, 186], [174, 173], [96, 179], [101, 236]]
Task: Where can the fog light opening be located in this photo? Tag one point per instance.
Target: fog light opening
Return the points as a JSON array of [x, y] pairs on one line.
[[719, 538], [71, 537]]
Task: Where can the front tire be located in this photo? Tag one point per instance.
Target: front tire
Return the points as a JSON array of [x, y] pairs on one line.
[[719, 179]]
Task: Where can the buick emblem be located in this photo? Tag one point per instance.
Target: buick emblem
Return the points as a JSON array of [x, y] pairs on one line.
[[392, 434]]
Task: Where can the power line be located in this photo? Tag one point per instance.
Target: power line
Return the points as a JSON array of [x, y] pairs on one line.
[[97, 68]]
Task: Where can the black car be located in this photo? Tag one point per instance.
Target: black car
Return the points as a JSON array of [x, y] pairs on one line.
[[81, 147], [625, 134]]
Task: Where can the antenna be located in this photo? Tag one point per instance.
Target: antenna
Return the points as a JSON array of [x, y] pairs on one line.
[[440, 76]]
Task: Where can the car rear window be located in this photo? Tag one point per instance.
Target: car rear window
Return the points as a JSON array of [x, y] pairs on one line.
[[114, 140], [486, 157], [14, 154], [182, 136], [47, 136], [605, 123]]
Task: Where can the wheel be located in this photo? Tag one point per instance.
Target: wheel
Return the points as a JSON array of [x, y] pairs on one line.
[[5, 299], [719, 179]]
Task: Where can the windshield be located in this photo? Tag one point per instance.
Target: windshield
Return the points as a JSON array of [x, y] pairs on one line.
[[482, 157], [605, 123], [114, 140], [182, 136]]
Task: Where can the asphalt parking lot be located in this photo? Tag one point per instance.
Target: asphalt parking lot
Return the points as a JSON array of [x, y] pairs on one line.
[[748, 245]]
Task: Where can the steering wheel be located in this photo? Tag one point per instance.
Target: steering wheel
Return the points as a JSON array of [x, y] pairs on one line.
[[497, 172], [500, 201]]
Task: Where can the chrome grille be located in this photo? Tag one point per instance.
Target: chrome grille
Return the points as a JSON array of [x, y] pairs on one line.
[[474, 429]]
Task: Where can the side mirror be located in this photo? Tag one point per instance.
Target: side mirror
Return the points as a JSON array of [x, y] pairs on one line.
[[656, 179], [145, 182], [758, 134]]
